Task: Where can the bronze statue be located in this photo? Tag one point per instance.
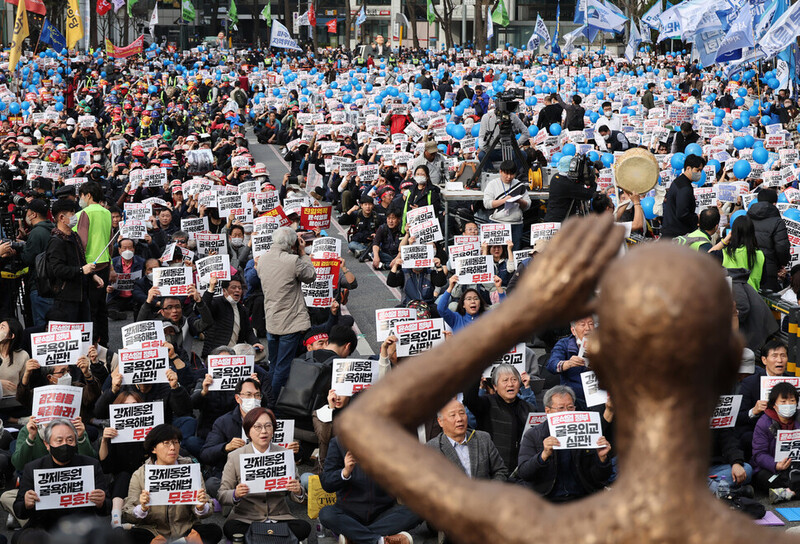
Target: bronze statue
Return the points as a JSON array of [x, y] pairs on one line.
[[665, 350]]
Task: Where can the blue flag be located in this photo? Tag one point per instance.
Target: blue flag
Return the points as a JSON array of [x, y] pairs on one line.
[[362, 16], [554, 48], [51, 35]]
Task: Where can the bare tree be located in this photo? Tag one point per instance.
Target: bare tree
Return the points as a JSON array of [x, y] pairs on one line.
[[412, 16], [445, 18], [287, 15], [347, 20], [480, 25]]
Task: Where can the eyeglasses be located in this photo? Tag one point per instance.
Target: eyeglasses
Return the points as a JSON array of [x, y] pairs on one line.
[[182, 241], [167, 443], [259, 427], [256, 396], [471, 299], [172, 307]]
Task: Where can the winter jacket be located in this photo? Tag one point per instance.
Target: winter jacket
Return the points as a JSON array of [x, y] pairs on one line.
[[679, 215], [65, 259], [454, 319], [136, 266], [219, 334], [365, 226], [772, 239], [281, 274], [756, 321], [564, 349], [564, 197], [765, 436], [38, 239]]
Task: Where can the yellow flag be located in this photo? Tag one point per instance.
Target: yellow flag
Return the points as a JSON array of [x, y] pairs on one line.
[[74, 24], [20, 33]]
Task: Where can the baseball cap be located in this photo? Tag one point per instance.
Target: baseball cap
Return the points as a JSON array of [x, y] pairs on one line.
[[431, 147], [38, 206]]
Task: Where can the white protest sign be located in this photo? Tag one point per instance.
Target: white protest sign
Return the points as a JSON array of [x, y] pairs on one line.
[[229, 370], [352, 375], [418, 336], [726, 411], [209, 244], [319, 293], [534, 419], [143, 366], [125, 280], [172, 484], [283, 433], [495, 234], [768, 382], [267, 472], [133, 229], [63, 487], [213, 266], [543, 231], [154, 177], [591, 389], [575, 430], [470, 249], [417, 256], [426, 231], [705, 197], [326, 247], [57, 348], [261, 243], [515, 357], [387, 318], [138, 211], [173, 280], [472, 270], [192, 225], [54, 401], [787, 445], [143, 334], [134, 421], [86, 328]]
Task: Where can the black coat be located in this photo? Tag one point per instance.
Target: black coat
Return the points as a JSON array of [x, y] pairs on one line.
[[65, 258], [773, 241], [679, 215], [219, 334], [550, 114], [564, 197]]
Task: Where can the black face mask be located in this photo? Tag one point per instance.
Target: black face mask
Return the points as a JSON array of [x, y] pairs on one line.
[[64, 453]]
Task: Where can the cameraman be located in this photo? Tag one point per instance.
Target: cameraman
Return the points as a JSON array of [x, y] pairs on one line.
[[566, 193], [490, 129]]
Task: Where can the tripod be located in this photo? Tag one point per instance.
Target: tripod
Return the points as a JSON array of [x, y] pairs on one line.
[[509, 148]]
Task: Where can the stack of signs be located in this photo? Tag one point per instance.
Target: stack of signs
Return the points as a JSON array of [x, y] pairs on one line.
[[143, 334], [172, 484], [267, 472], [84, 328], [352, 375], [326, 248], [133, 229], [417, 256], [419, 336], [125, 280], [423, 225], [138, 211], [143, 366], [211, 244], [591, 389], [495, 234], [768, 382], [726, 411], [543, 231], [57, 348], [385, 320], [575, 430], [173, 280], [193, 225], [283, 433], [534, 419], [473, 270], [134, 421], [54, 401], [515, 357], [63, 487], [315, 217], [214, 266], [229, 370]]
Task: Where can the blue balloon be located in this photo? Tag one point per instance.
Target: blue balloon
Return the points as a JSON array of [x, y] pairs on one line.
[[737, 124], [594, 156], [736, 215], [739, 142], [608, 159], [555, 129], [749, 140], [766, 120], [677, 161], [14, 108], [792, 213], [476, 130], [648, 203], [328, 93], [741, 169], [459, 132], [557, 157], [715, 163], [760, 155], [533, 130], [694, 149], [569, 150], [742, 92]]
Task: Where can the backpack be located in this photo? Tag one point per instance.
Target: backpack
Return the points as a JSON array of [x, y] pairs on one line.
[[44, 285], [240, 97], [307, 387]]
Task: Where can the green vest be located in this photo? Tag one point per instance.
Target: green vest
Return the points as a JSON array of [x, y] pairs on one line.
[[405, 212], [694, 239], [99, 233]]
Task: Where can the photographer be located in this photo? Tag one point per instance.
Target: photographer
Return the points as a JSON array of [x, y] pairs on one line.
[[508, 199], [566, 193], [491, 124]]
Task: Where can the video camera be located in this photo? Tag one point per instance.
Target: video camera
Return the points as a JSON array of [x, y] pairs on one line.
[[507, 102], [581, 170]]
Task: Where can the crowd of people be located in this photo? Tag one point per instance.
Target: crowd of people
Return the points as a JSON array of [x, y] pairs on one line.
[[117, 172]]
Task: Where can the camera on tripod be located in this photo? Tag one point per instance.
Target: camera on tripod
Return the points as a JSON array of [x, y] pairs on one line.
[[507, 102], [581, 170]]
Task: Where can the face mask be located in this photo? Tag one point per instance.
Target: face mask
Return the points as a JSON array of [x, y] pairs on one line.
[[73, 220], [607, 114], [230, 299], [422, 180], [66, 379], [237, 242], [127, 254], [696, 176], [402, 170], [786, 410], [249, 404], [149, 276], [82, 203], [63, 454]]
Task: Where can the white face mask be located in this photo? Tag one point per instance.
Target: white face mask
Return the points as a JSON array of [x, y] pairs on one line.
[[696, 176], [230, 299], [66, 379], [422, 180], [608, 114], [249, 404], [402, 170], [82, 203], [149, 276], [786, 410], [73, 220], [127, 254], [237, 242]]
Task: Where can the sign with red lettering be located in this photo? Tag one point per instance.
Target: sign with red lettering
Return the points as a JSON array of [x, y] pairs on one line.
[[173, 280], [228, 370], [415, 337], [575, 430], [387, 318], [56, 348], [134, 421], [63, 487], [173, 484], [312, 217], [54, 401], [143, 366], [267, 472], [351, 375], [726, 411]]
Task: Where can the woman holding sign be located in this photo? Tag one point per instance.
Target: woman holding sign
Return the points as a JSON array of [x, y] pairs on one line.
[[170, 521], [769, 473], [249, 507]]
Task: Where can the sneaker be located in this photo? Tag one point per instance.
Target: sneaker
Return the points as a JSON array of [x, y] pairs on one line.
[[780, 494], [400, 538], [344, 540]]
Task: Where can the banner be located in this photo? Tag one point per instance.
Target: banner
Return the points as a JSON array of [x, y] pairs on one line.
[[63, 487], [210, 244], [143, 334], [326, 248], [50, 35], [415, 337], [54, 401], [134, 421], [283, 433], [172, 484], [602, 17], [313, 217], [352, 375], [499, 15], [35, 6], [540, 30], [133, 229], [74, 23], [633, 42], [143, 366], [739, 36], [134, 48], [103, 7], [782, 33], [20, 33], [281, 38], [56, 348], [267, 472], [768, 382], [213, 266], [651, 18], [495, 234], [187, 11], [575, 430], [229, 370]]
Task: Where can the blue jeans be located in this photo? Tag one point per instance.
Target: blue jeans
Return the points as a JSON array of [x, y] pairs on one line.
[[724, 471], [39, 305], [357, 247], [282, 349], [392, 521], [385, 258]]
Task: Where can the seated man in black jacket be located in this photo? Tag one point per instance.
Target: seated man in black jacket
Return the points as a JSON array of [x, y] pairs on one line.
[[566, 194], [561, 475], [226, 323], [61, 439], [366, 223]]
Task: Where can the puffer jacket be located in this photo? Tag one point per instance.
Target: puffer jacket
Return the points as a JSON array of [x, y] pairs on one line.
[[773, 241]]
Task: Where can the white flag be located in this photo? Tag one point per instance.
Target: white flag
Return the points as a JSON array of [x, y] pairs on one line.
[[281, 37], [154, 22], [633, 42], [489, 23], [604, 18], [541, 30]]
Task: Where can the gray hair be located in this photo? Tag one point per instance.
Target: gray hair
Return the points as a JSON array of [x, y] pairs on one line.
[[222, 350], [558, 390], [502, 370], [48, 431], [285, 238], [244, 349]]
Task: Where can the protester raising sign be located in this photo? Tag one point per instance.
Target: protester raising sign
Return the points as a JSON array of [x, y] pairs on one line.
[[143, 334], [126, 280], [133, 229], [417, 256], [173, 280], [228, 370], [267, 472], [768, 382], [63, 487], [387, 318], [326, 248], [575, 430], [591, 389], [319, 293], [495, 234], [543, 231], [56, 348], [172, 484], [214, 266], [516, 357], [211, 244], [726, 411], [283, 433], [143, 366], [351, 375], [534, 419], [415, 337], [86, 329], [315, 217], [54, 401], [472, 270], [134, 421]]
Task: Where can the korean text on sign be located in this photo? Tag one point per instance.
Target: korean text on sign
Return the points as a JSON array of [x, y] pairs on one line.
[[415, 337], [143, 366], [351, 375], [56, 348], [55, 401], [134, 421], [172, 484], [575, 430], [63, 487], [267, 472], [228, 370]]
